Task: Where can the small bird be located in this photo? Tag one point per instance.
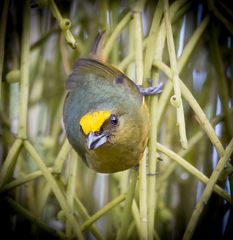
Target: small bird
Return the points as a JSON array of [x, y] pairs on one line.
[[105, 116]]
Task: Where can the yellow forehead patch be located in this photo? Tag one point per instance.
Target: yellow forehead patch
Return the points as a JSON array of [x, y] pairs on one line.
[[92, 121]]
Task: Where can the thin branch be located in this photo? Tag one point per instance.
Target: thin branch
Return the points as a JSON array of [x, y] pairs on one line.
[[203, 121], [23, 180], [3, 24], [61, 157], [127, 208], [24, 68], [111, 40], [56, 190], [64, 24], [152, 48], [137, 12], [175, 77], [102, 211], [10, 162], [207, 192], [85, 216], [191, 169]]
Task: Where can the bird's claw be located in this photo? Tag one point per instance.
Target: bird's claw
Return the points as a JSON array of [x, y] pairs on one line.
[[150, 91]]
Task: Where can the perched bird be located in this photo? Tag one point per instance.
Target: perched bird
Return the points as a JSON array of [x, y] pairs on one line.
[[105, 116]]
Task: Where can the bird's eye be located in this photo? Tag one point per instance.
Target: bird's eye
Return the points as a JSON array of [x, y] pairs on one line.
[[114, 119]]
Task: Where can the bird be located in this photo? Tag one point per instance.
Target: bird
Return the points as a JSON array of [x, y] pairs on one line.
[[105, 116]]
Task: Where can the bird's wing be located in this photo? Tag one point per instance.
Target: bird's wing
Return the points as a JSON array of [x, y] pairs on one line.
[[85, 66]]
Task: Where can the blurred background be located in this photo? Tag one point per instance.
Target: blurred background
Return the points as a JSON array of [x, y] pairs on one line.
[[202, 32]]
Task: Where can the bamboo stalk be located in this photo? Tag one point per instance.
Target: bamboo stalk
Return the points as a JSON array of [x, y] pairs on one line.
[[70, 191], [131, 230], [131, 48], [24, 68], [127, 208], [61, 157], [176, 5], [152, 49], [23, 180], [142, 182], [139, 80], [138, 45], [64, 24], [102, 211], [10, 162], [2, 42], [191, 169], [57, 192], [207, 191], [189, 47], [175, 77], [152, 167], [192, 142], [85, 216], [131, 56], [203, 121], [42, 197], [118, 29], [136, 216], [191, 44]]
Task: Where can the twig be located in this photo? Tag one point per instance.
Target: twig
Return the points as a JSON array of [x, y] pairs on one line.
[[130, 57], [22, 180], [64, 24], [203, 121], [10, 162], [152, 49], [193, 41], [2, 42], [207, 191], [102, 211], [175, 77], [70, 191], [137, 11], [61, 157], [176, 5], [120, 26], [24, 68], [192, 142], [127, 208], [142, 188], [56, 190], [138, 46], [191, 169], [136, 216], [85, 216]]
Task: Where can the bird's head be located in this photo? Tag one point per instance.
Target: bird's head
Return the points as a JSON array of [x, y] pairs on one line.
[[98, 127]]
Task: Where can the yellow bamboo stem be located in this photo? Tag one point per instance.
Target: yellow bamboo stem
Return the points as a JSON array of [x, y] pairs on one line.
[[175, 77]]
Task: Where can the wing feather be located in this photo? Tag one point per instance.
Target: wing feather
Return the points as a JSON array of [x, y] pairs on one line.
[[85, 66]]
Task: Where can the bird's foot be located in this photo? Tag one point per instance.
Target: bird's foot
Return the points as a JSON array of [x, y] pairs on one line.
[[151, 91]]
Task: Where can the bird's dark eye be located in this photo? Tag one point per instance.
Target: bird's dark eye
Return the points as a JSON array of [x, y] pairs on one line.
[[114, 119]]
